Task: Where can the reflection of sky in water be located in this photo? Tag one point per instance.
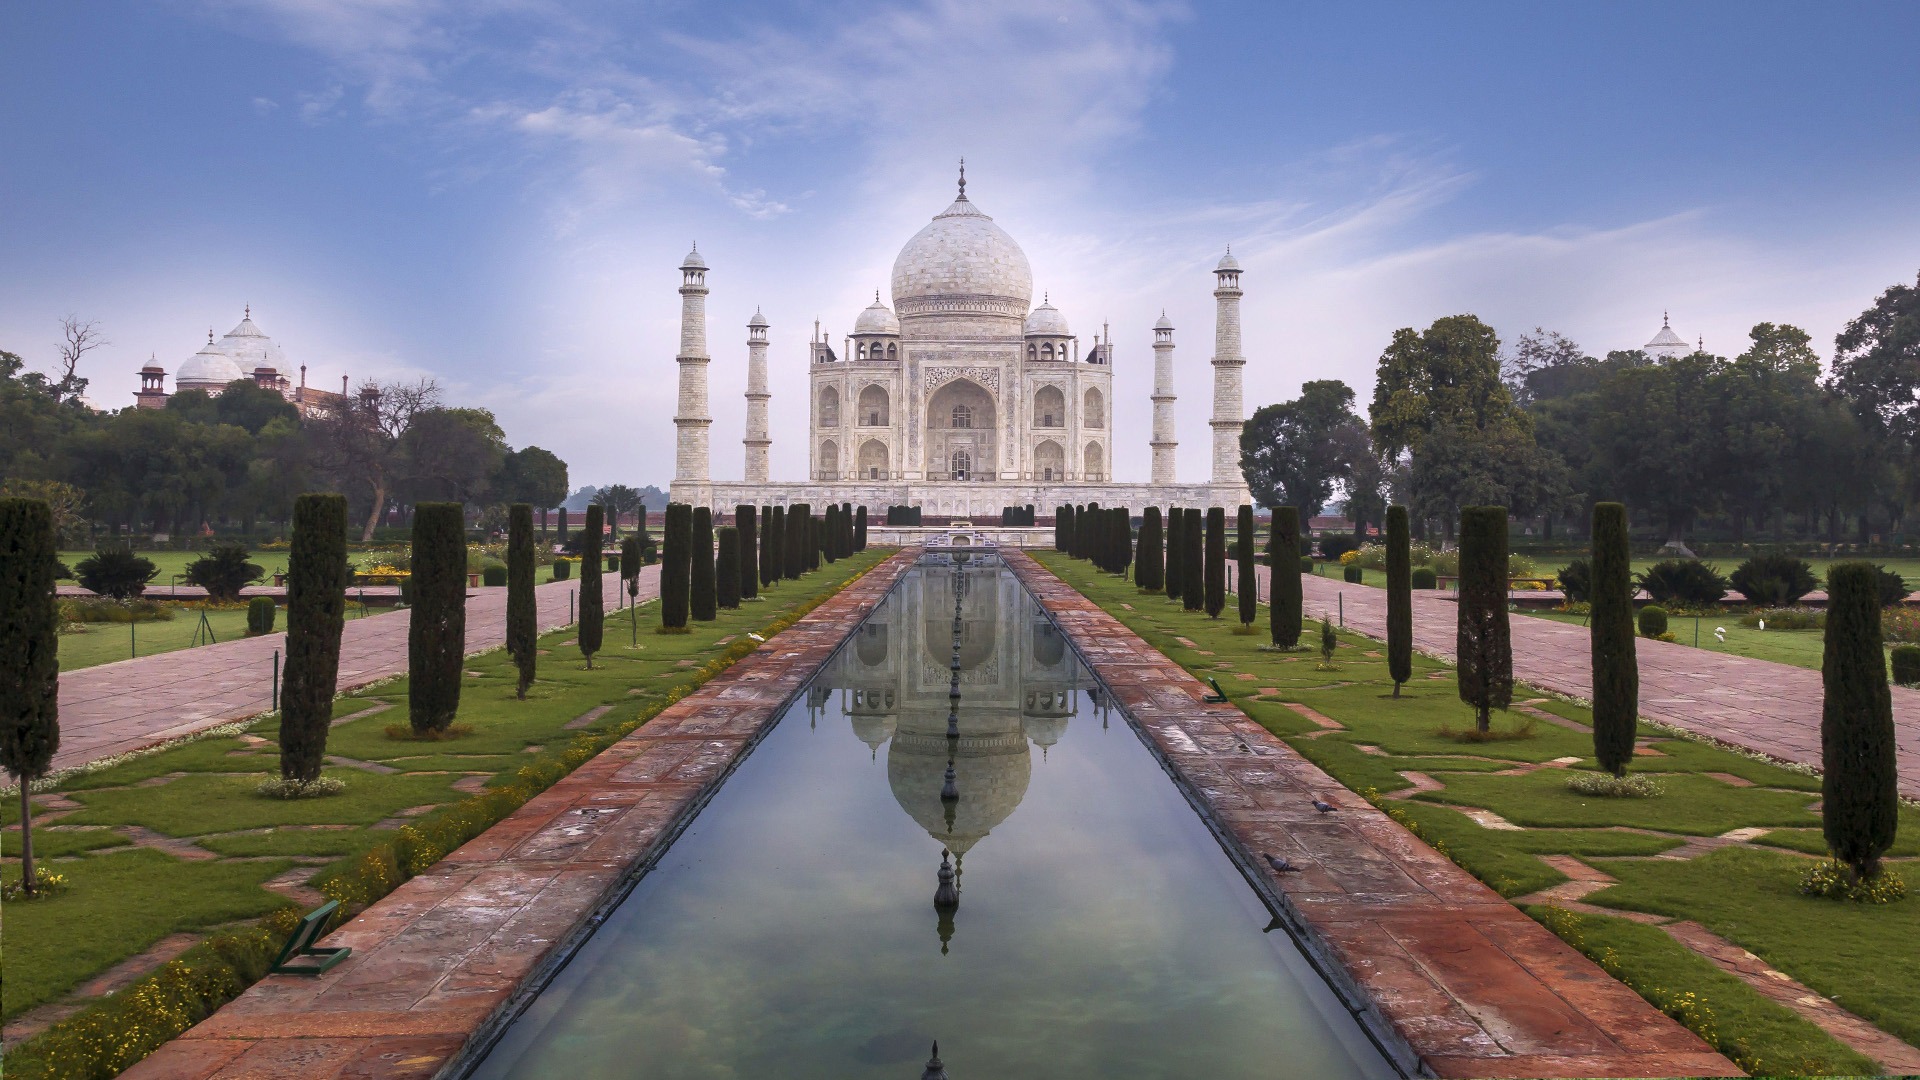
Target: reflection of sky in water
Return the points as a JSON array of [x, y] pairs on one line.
[[791, 931]]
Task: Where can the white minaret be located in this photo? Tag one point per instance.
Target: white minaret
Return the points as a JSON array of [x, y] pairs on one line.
[[757, 395], [1163, 443], [690, 465], [1228, 417]]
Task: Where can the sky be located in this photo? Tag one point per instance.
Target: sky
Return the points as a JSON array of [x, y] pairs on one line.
[[497, 193]]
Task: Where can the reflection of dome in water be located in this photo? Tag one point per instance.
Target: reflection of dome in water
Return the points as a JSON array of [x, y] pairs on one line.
[[992, 769], [871, 646], [1044, 730], [873, 730]]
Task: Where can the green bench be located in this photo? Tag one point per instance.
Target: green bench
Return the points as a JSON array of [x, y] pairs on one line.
[[312, 925]]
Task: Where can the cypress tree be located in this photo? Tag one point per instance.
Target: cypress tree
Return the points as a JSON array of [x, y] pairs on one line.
[[1616, 666], [631, 560], [1176, 571], [1216, 561], [437, 632], [796, 547], [1150, 574], [563, 524], [747, 520], [1483, 644], [847, 547], [593, 567], [1123, 534], [1193, 556], [830, 535], [1283, 576], [773, 547], [29, 657], [814, 543], [1861, 786], [523, 626], [1062, 527], [316, 613], [726, 569], [1400, 600], [676, 566], [860, 529], [704, 602], [1249, 594]]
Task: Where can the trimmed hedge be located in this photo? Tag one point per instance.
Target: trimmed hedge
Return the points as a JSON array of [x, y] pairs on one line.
[[1352, 575], [1423, 577], [260, 615], [1652, 620], [1283, 606], [1616, 665], [1399, 598], [317, 575], [1216, 568], [1860, 794], [1483, 641], [593, 602], [1249, 582], [726, 569], [746, 518], [1906, 664], [523, 629], [676, 567], [704, 601]]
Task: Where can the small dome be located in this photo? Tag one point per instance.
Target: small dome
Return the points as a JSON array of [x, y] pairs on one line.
[[693, 261], [1046, 319], [758, 319], [1164, 323], [209, 369], [1227, 262], [877, 319], [1666, 338]]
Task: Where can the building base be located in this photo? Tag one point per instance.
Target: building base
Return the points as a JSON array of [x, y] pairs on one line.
[[948, 499]]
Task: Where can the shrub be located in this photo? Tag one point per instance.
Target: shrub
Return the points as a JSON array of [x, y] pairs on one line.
[[703, 602], [1773, 580], [1652, 620], [1834, 880], [1176, 572], [1150, 573], [562, 569], [1615, 663], [860, 527], [1399, 598], [1609, 786], [260, 613], [493, 575], [80, 609], [726, 569], [1906, 664], [676, 568], [1423, 577], [1859, 789], [523, 630], [1216, 568], [1785, 618], [1284, 603], [223, 572], [114, 570], [317, 576], [1193, 552], [1483, 641], [437, 632], [772, 548], [1576, 581], [1353, 575], [1892, 587], [1249, 583], [1335, 545], [1683, 582], [1306, 565], [274, 787], [746, 518]]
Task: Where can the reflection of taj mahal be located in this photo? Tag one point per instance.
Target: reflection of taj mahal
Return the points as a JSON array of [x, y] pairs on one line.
[[962, 397]]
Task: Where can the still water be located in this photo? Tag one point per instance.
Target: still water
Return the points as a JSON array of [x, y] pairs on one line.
[[791, 931]]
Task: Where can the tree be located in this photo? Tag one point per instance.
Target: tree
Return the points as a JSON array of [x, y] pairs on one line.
[[453, 454], [726, 571], [1483, 645], [29, 657], [78, 338], [593, 566], [1656, 440], [523, 628], [114, 570], [1616, 665], [773, 558], [1876, 363], [860, 529], [1249, 591], [1860, 787], [1150, 574], [618, 499], [676, 566], [1295, 452], [795, 549], [1176, 572], [830, 534], [747, 520], [223, 572], [1063, 528], [704, 601], [317, 576], [359, 446], [534, 476], [1193, 553], [1216, 569], [437, 632], [1283, 571], [1399, 599]]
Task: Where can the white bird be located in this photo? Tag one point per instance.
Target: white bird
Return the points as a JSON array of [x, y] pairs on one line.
[[1763, 624], [755, 636], [1720, 634]]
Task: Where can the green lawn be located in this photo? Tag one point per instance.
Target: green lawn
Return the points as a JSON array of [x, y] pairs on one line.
[[174, 563], [125, 898], [1801, 648], [103, 643], [1858, 955]]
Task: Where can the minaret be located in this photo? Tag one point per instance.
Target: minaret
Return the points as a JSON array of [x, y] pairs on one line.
[[690, 475], [1163, 442], [1228, 417], [757, 395]]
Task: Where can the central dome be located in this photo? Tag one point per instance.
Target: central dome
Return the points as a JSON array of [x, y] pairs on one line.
[[962, 264]]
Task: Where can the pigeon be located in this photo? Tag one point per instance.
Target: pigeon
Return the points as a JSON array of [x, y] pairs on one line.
[[1324, 807], [1281, 866]]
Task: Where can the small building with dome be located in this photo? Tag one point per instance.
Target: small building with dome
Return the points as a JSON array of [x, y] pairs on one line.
[[246, 352]]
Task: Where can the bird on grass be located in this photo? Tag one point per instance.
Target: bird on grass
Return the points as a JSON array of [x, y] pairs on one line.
[[1281, 866], [1323, 806]]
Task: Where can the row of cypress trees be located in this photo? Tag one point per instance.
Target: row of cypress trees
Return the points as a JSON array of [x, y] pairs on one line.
[[704, 569]]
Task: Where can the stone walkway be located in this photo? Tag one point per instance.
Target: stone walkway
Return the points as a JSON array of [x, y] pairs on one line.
[[441, 957], [1453, 979], [1756, 704], [115, 708]]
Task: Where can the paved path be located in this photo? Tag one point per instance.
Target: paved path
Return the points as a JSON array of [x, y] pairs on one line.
[[1757, 704], [114, 708]]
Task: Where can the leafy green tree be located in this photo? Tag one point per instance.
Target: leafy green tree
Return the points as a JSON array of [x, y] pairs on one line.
[[1616, 666], [534, 476], [705, 602], [1655, 433], [676, 566], [29, 657], [114, 570], [1876, 364], [1216, 569], [1283, 566], [726, 571], [746, 518], [223, 571], [618, 499], [1249, 585], [1399, 598], [523, 628], [451, 453], [1860, 786], [437, 631], [1484, 645], [317, 576], [593, 566], [1293, 453]]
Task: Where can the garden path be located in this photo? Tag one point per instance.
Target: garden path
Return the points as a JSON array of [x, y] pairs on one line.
[[1754, 704], [116, 708]]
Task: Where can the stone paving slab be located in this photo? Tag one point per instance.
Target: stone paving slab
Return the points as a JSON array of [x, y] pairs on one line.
[[1453, 980], [440, 958], [115, 708], [1756, 704]]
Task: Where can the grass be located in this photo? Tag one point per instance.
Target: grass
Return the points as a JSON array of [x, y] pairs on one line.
[[1800, 648], [174, 564], [122, 901], [1746, 894], [104, 643]]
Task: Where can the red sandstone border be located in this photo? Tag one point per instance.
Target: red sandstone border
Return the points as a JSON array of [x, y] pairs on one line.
[[1452, 979], [440, 961]]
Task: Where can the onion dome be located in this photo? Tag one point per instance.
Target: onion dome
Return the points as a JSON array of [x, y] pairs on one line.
[[1227, 262], [758, 319], [209, 369], [1046, 319], [249, 348], [961, 263], [693, 261], [877, 319], [1164, 323]]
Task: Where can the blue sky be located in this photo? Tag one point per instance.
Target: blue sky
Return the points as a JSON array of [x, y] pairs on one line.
[[497, 192]]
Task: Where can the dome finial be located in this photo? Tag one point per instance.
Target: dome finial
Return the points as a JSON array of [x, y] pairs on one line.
[[249, 313], [1046, 297], [1663, 319], [209, 335], [876, 296], [963, 178]]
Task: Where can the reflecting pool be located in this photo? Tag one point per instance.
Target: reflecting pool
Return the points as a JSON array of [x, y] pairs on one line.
[[792, 930]]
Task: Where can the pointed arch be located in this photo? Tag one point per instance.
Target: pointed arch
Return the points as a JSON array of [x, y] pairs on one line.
[[875, 407], [829, 407], [829, 465], [1093, 462], [1094, 413], [1049, 462], [1049, 408]]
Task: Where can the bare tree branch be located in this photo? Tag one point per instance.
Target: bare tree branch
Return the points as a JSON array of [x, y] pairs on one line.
[[79, 338]]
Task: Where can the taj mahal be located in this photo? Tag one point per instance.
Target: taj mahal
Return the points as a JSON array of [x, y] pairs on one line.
[[961, 397]]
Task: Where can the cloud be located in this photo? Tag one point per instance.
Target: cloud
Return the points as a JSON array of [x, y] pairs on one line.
[[265, 106]]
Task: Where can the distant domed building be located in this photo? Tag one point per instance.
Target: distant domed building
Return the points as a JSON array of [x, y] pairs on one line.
[[1666, 345], [962, 396], [245, 353]]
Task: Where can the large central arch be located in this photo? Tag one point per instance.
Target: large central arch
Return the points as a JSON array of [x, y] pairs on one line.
[[962, 418]]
